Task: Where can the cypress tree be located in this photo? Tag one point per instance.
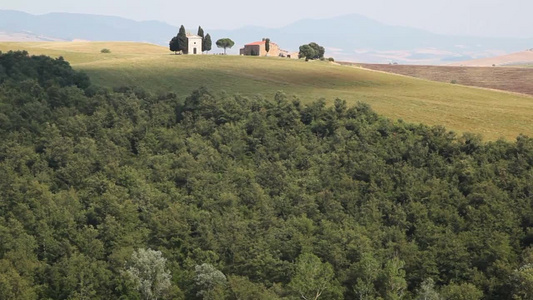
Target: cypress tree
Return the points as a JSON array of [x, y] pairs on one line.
[[206, 44], [183, 42], [267, 45], [200, 32]]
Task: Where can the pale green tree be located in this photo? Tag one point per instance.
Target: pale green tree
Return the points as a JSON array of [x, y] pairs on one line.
[[464, 291], [523, 282], [312, 277], [427, 291], [210, 281], [147, 271], [393, 279], [368, 269]]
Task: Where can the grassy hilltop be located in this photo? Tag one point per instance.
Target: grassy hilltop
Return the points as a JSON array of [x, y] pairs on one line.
[[491, 113]]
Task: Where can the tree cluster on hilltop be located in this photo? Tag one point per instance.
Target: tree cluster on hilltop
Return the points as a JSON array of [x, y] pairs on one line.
[[311, 51], [127, 195]]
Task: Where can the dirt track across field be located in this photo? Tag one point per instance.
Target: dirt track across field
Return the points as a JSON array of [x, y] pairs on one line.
[[519, 80]]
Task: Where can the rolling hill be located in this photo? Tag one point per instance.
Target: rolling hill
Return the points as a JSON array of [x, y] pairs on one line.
[[490, 113]]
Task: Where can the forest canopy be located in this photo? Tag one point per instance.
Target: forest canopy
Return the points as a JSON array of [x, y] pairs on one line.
[[127, 195]]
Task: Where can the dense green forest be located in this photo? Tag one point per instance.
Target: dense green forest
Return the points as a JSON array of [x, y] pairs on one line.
[[127, 195]]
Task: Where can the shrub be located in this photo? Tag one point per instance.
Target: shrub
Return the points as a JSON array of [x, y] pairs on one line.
[[105, 50], [453, 81], [331, 59]]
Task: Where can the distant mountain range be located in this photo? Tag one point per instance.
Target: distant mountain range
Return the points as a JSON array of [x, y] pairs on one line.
[[67, 26], [351, 37]]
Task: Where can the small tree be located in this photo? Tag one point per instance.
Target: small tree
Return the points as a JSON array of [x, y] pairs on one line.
[[522, 279], [210, 281], [312, 277], [393, 279], [147, 271], [173, 45], [225, 43], [183, 42], [243, 289], [207, 44], [306, 52], [368, 270], [427, 291], [267, 45], [464, 291]]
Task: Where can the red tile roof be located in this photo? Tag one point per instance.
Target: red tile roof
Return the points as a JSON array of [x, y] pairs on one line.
[[255, 43], [260, 43]]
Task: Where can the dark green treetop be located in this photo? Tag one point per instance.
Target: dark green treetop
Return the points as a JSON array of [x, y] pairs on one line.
[[173, 45], [183, 42], [267, 45], [311, 51], [200, 32], [207, 44], [318, 49], [306, 52]]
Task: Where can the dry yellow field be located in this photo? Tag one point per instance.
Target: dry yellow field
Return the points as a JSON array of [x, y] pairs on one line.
[[511, 79], [491, 113]]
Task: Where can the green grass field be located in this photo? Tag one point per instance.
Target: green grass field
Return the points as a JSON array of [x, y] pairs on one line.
[[491, 113]]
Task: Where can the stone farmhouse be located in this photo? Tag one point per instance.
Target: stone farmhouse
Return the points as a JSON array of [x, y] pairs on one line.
[[259, 49], [195, 44]]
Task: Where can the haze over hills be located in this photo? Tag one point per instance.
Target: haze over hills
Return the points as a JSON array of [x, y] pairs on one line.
[[513, 59], [350, 37]]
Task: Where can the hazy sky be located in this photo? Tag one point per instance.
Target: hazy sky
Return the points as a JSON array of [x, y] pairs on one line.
[[460, 17]]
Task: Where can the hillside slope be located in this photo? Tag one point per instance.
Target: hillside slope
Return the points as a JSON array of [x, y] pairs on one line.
[[490, 113], [507, 79]]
